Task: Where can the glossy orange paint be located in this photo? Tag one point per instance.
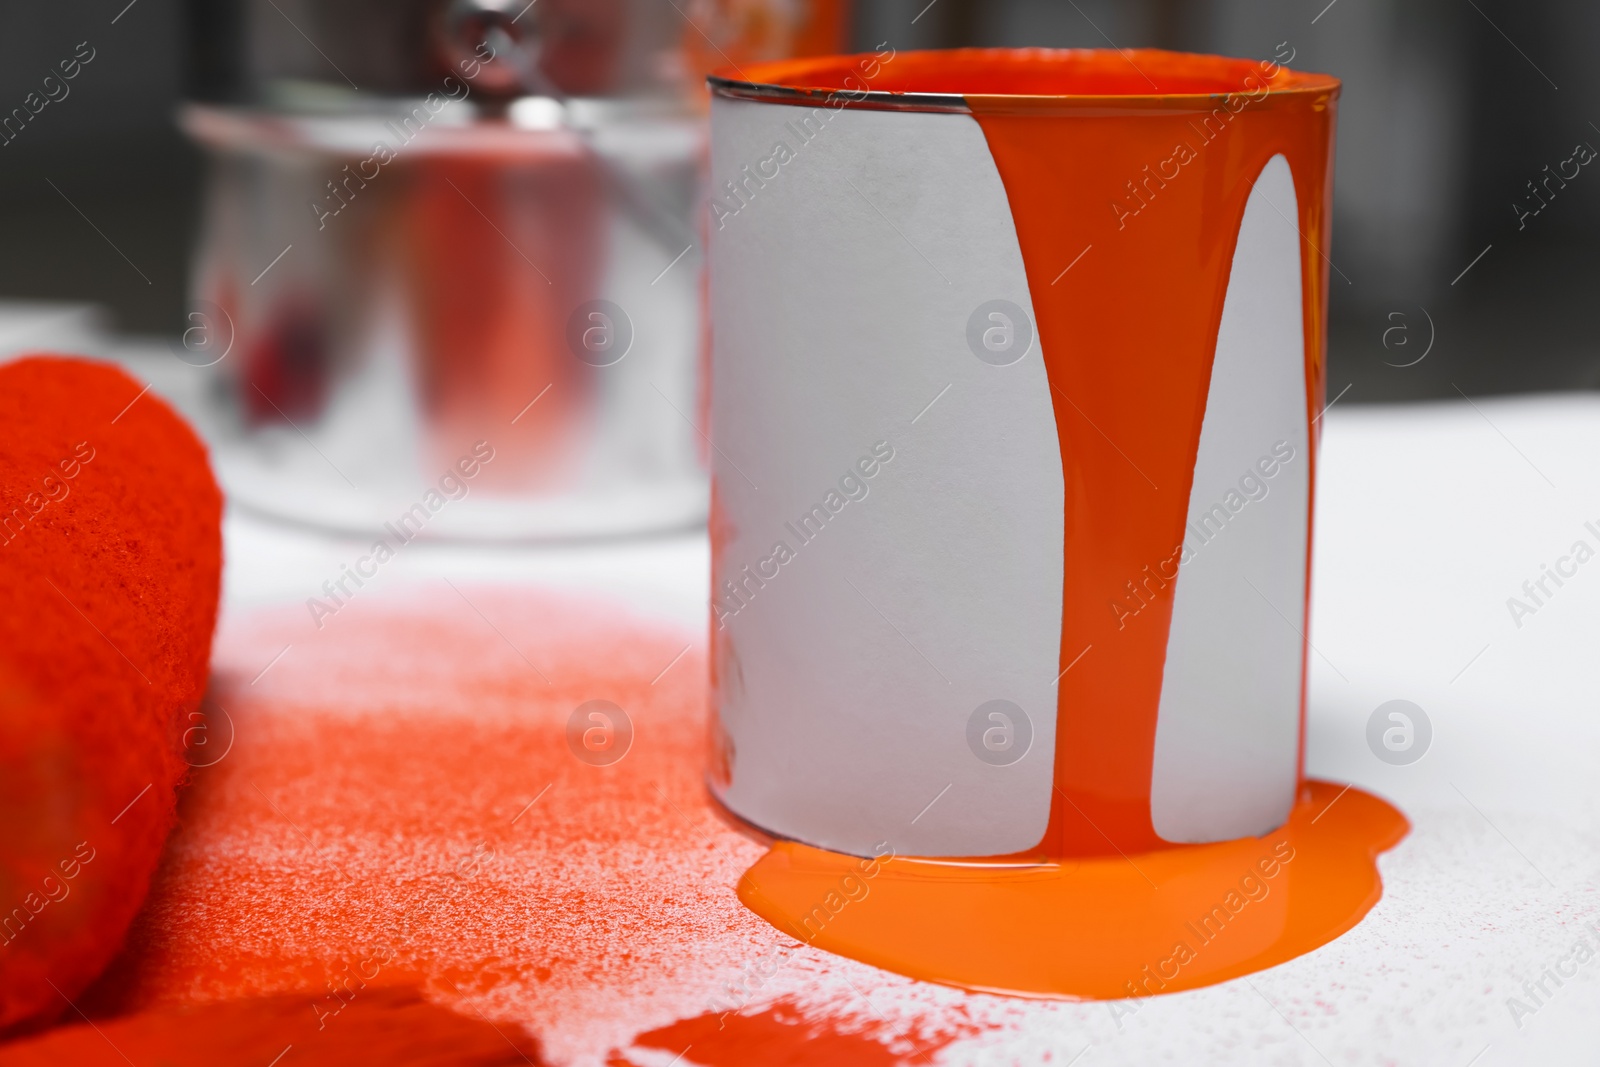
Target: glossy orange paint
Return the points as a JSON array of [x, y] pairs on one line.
[[1128, 337], [1098, 927]]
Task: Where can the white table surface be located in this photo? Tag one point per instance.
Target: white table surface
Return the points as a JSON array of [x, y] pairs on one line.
[[1428, 518]]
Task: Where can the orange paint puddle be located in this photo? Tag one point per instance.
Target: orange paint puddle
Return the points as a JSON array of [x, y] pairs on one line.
[[1101, 927]]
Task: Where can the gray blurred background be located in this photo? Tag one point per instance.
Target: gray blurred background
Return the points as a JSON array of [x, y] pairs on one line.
[[1450, 109]]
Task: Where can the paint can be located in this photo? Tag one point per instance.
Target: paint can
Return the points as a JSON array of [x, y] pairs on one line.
[[1017, 362]]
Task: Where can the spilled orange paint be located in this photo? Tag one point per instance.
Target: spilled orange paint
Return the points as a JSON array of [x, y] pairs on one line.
[[1101, 927], [783, 1035], [392, 1026]]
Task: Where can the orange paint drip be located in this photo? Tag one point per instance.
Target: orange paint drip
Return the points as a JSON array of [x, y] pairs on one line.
[[1099, 927], [1128, 339]]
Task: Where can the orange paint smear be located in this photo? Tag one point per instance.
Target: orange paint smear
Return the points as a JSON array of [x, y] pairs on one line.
[[1097, 928], [394, 1027], [781, 1036]]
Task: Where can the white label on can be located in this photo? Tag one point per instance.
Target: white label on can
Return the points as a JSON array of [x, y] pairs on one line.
[[846, 268], [1228, 728]]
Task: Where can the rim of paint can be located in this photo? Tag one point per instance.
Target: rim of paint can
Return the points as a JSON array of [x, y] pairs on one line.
[[1033, 79]]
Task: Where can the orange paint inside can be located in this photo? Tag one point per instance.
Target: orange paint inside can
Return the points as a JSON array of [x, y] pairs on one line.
[[1098, 927]]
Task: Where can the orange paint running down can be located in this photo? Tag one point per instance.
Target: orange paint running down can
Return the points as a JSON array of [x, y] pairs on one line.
[[1016, 364]]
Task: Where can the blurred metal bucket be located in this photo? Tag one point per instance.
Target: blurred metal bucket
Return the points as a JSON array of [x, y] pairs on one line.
[[452, 234], [389, 290]]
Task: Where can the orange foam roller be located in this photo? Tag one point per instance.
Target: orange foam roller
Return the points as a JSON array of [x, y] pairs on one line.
[[110, 564]]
